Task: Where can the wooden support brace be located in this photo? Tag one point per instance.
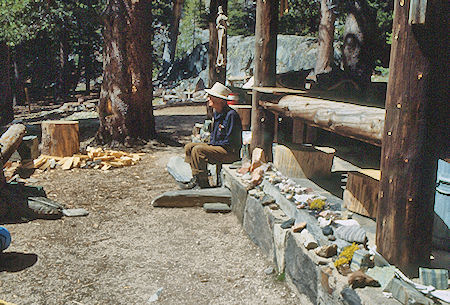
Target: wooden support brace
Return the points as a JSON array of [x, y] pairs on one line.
[[361, 192]]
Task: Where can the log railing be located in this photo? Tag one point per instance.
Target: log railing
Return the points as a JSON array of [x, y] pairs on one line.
[[354, 121]]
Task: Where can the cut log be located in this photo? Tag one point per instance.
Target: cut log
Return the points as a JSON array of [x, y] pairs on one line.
[[10, 141], [60, 138], [361, 192], [359, 122]]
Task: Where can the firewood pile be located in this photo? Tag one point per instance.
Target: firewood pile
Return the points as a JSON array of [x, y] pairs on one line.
[[95, 158]]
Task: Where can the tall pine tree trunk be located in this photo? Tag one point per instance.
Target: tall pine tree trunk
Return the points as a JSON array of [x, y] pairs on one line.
[[63, 81], [19, 88], [125, 107], [171, 44], [87, 67], [325, 54], [6, 103]]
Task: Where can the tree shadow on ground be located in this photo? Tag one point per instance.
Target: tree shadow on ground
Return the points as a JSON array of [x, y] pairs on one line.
[[16, 261]]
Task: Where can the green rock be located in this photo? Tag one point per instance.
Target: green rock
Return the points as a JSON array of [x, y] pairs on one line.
[[216, 207]]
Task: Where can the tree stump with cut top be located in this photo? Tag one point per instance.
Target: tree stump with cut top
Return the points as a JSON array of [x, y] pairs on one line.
[[60, 138]]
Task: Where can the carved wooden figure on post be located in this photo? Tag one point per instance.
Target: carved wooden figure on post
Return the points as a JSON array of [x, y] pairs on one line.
[[221, 25]]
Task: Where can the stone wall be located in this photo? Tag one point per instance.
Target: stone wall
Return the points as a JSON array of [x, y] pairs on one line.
[[314, 278]]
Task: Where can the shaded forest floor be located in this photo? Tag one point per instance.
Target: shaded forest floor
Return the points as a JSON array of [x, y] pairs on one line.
[[125, 250]]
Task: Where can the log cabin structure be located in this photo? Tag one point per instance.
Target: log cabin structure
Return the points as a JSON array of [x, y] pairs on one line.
[[411, 130]]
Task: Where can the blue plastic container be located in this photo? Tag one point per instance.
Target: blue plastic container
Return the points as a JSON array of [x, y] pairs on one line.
[[5, 239], [441, 231]]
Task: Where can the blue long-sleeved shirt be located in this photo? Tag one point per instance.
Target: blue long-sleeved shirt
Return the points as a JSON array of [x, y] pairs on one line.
[[227, 130]]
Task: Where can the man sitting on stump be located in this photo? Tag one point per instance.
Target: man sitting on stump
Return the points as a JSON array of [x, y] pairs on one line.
[[225, 142]]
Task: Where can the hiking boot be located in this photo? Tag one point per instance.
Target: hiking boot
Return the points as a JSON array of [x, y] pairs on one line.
[[195, 183]]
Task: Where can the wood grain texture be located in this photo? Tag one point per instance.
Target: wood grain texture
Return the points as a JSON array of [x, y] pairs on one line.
[[359, 122], [304, 161], [361, 193], [415, 134], [60, 138]]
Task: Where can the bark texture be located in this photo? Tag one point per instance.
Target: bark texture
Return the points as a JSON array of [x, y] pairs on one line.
[[125, 107], [416, 133], [353, 121], [325, 52], [171, 44], [6, 101], [265, 73]]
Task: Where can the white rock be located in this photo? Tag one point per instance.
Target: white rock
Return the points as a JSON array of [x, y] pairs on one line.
[[155, 296], [323, 222], [347, 222], [304, 197], [308, 240]]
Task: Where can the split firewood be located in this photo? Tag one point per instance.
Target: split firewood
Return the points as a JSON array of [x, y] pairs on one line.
[[96, 158]]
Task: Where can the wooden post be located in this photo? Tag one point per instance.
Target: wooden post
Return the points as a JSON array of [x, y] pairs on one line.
[[416, 133], [265, 73], [216, 74]]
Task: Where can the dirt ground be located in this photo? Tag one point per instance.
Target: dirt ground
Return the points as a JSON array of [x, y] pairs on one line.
[[125, 250]]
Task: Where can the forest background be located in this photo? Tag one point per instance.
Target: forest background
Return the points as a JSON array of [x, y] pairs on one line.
[[55, 45]]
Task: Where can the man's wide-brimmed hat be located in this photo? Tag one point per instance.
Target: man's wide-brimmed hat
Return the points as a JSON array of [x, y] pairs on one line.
[[219, 90]]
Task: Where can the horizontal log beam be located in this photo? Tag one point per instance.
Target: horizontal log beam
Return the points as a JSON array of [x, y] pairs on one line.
[[358, 122], [10, 141]]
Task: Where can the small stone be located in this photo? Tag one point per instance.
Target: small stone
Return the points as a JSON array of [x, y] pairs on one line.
[[352, 234], [331, 237], [216, 207], [301, 206], [288, 223], [273, 206], [299, 227], [267, 199], [75, 212], [269, 270], [327, 230], [359, 279], [308, 240], [324, 222], [155, 296], [289, 196], [252, 192], [350, 297], [327, 251]]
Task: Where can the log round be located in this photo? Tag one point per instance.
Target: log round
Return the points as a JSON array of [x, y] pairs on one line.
[[359, 122], [60, 138]]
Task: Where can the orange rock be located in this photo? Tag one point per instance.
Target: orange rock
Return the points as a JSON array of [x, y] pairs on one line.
[[257, 158], [245, 168], [299, 227], [257, 176]]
